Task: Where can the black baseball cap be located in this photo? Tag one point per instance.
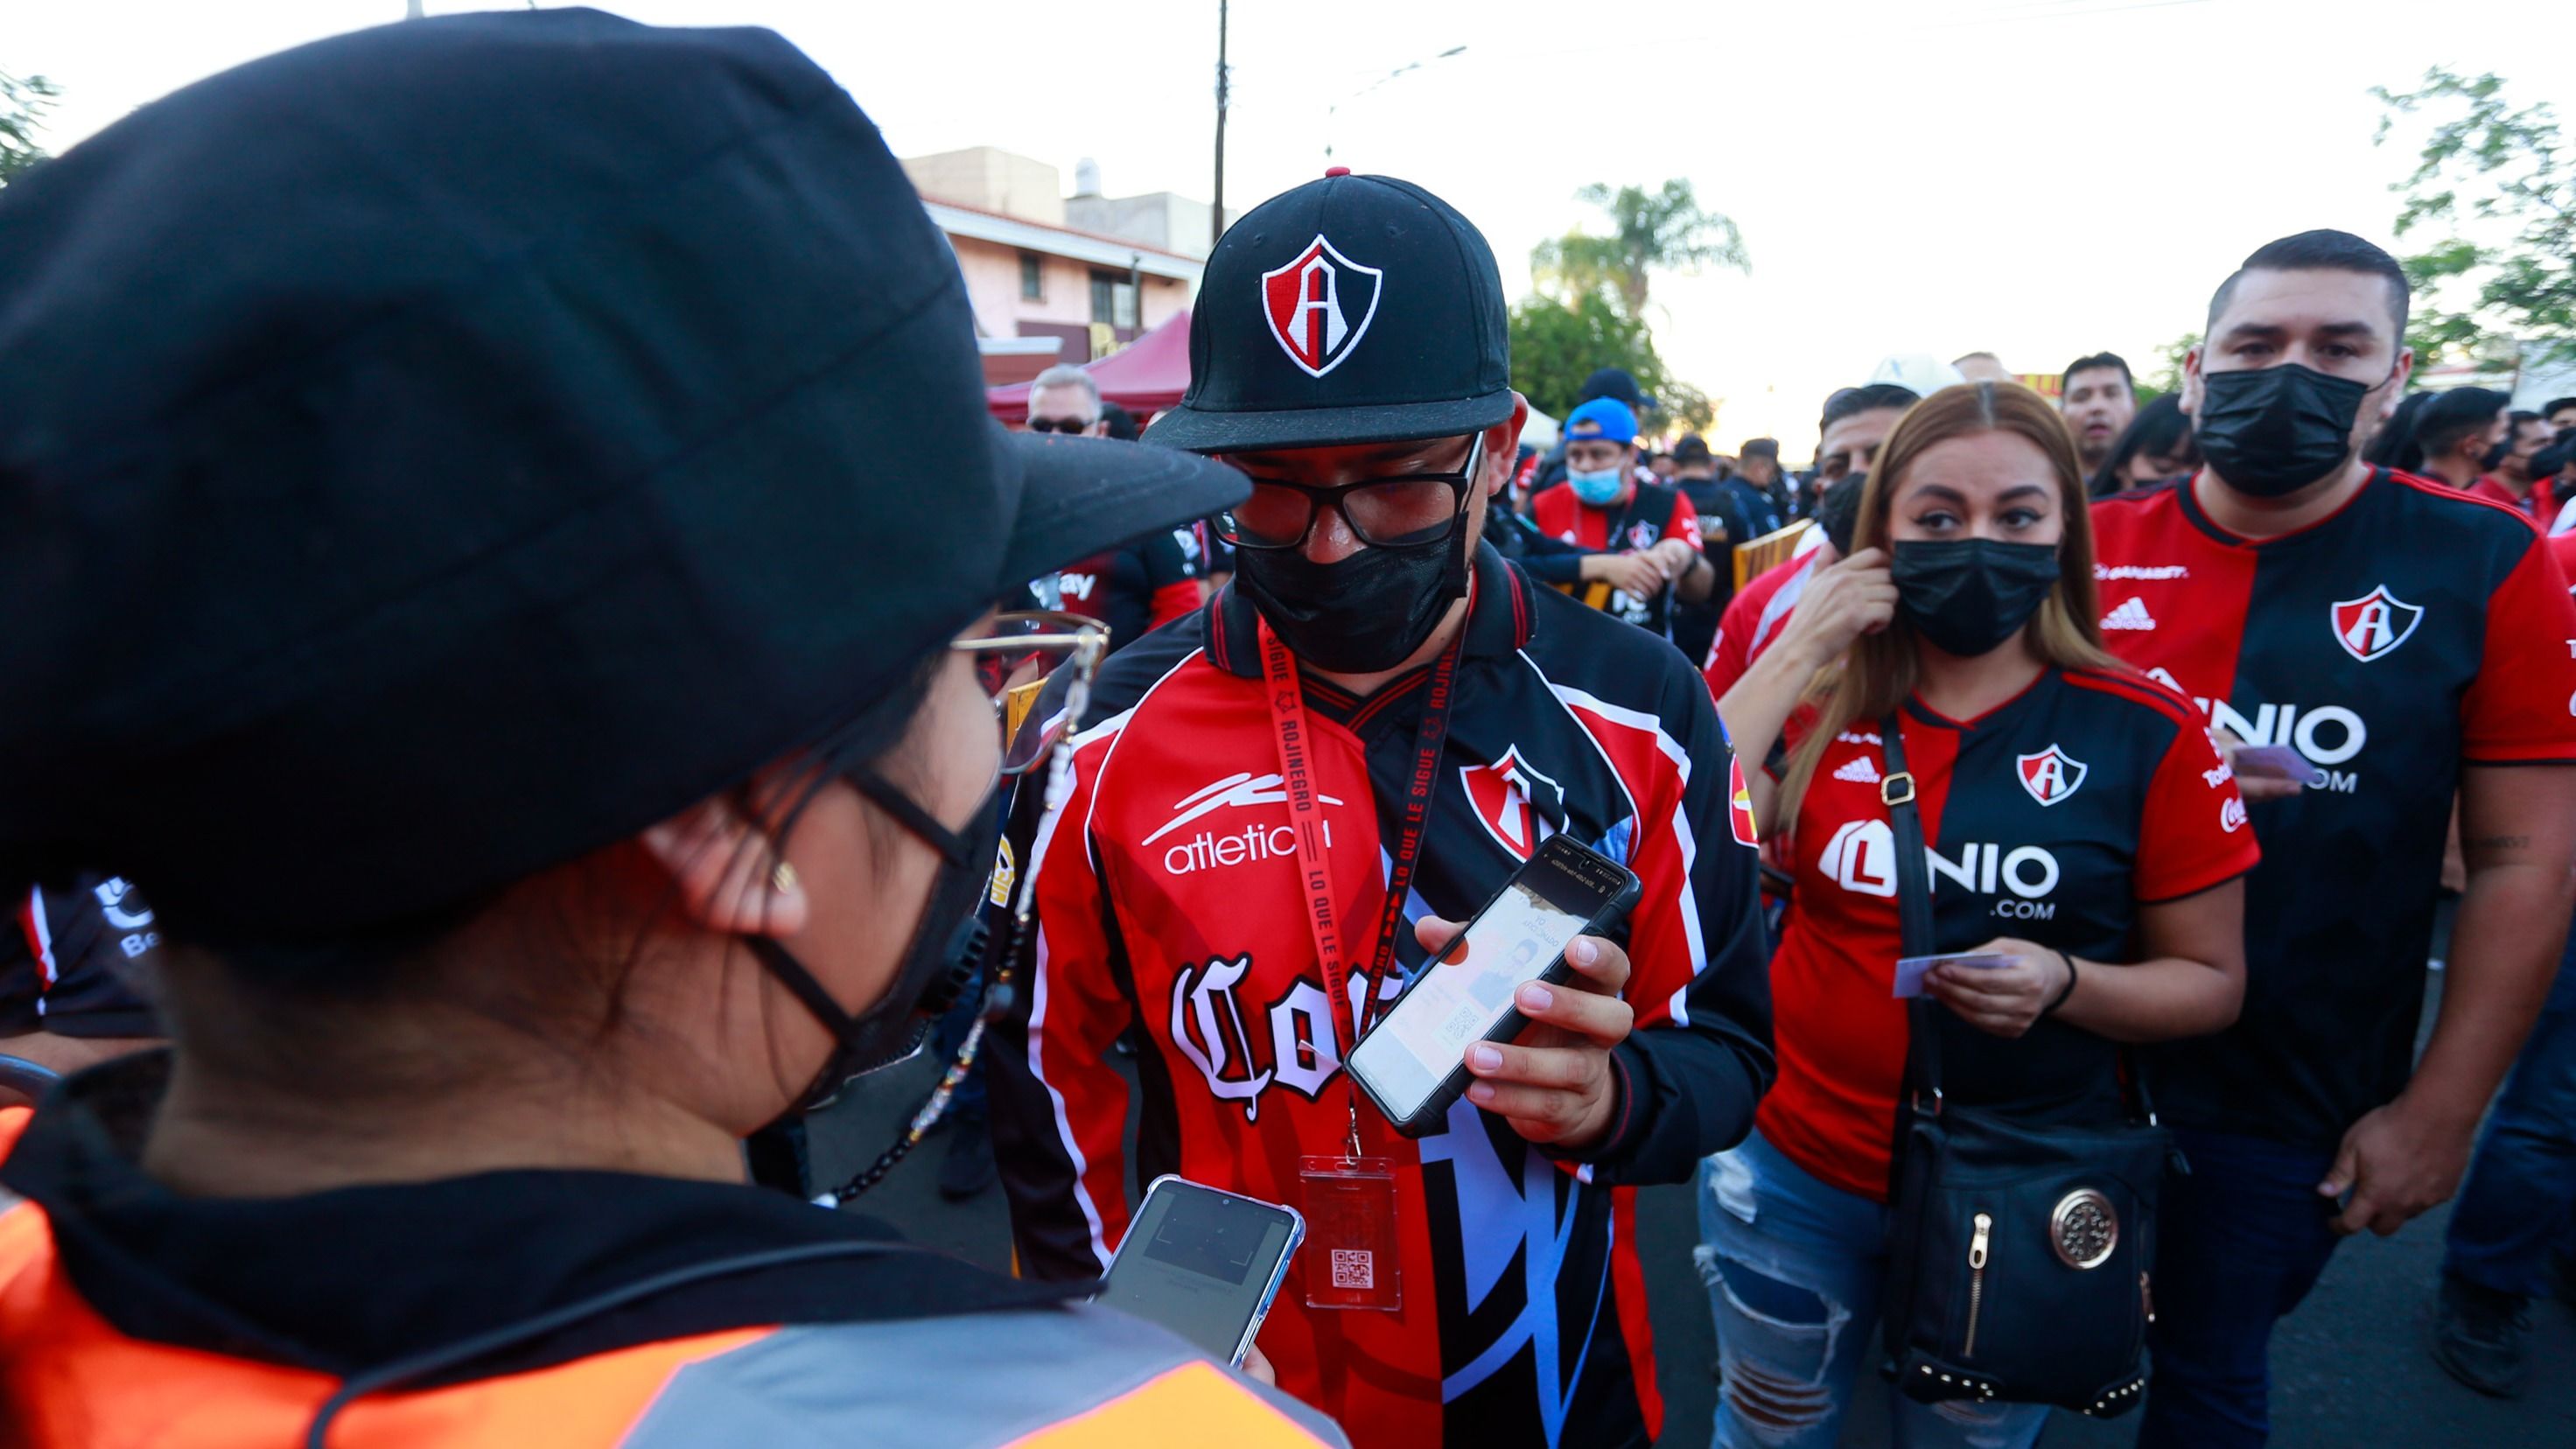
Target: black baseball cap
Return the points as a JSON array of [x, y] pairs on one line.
[[434, 453], [1354, 309], [1692, 449], [1615, 382]]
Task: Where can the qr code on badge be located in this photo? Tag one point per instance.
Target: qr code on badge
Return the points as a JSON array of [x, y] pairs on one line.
[[1354, 1268]]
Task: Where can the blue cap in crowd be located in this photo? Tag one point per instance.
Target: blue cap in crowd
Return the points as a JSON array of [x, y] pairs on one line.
[[1603, 417]]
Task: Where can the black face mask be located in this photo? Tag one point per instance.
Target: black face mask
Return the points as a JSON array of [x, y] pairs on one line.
[[931, 974], [1360, 614], [2271, 431], [1968, 595]]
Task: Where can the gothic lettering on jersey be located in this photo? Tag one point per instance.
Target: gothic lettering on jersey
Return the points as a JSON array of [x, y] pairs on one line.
[[2373, 625], [1293, 1042], [2051, 775]]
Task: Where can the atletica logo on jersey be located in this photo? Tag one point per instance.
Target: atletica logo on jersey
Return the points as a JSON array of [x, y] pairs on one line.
[[2051, 775], [1209, 849], [2130, 615], [2373, 625], [1516, 804], [1311, 304]]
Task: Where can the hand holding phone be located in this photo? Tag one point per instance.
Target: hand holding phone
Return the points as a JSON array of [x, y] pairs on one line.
[[1456, 1023], [1204, 1263]]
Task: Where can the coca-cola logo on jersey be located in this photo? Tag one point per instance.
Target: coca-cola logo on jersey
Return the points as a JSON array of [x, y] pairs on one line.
[[1292, 1041]]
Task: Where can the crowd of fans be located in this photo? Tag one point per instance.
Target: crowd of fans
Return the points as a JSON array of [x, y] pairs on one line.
[[530, 616]]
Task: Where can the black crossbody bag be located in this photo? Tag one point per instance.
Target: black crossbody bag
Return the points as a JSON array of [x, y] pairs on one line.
[[2019, 1256]]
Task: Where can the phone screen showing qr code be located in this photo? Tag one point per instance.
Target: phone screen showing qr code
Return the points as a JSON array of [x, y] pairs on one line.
[[1354, 1268]]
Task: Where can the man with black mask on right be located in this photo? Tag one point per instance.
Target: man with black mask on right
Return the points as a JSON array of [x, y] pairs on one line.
[[2332, 618]]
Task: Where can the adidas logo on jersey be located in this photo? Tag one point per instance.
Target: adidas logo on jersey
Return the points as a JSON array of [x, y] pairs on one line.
[[2131, 615], [1860, 772]]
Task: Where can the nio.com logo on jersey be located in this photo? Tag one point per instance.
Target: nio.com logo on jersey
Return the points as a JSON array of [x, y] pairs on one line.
[[2326, 735], [1861, 858]]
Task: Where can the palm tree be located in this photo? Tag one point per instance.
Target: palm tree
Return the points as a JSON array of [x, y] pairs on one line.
[[1664, 230]]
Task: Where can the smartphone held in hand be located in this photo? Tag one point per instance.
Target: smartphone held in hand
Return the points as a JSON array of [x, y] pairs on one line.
[[1412, 1064], [1203, 1263]]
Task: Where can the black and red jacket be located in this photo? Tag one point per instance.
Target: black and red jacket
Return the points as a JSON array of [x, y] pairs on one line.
[[1138, 586], [1168, 899], [1652, 512], [2417, 630]]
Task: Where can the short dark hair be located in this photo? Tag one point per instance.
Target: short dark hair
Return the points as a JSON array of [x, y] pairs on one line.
[[1853, 401], [2101, 359], [2161, 428], [2551, 407], [2460, 413], [2322, 250]]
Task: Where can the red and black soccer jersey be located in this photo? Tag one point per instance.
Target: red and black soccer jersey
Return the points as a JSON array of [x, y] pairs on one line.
[[1168, 897], [1138, 586], [2415, 631], [2049, 819], [1753, 620], [65, 957], [1653, 512], [2537, 505]]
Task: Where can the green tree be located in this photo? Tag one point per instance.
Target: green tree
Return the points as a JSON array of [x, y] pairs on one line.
[[23, 104], [1650, 231], [2167, 376], [2505, 177], [1555, 345]]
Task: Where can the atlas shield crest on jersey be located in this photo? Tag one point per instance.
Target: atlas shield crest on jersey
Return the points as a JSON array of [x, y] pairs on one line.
[[1517, 805], [1320, 305], [2374, 624], [2051, 775]]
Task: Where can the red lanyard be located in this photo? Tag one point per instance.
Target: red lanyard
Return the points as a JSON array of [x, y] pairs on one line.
[[1306, 813]]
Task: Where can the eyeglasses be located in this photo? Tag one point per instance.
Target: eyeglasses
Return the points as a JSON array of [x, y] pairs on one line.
[[1412, 508], [1013, 655], [1060, 425]]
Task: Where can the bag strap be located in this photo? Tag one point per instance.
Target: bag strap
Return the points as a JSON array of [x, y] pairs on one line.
[[1896, 791]]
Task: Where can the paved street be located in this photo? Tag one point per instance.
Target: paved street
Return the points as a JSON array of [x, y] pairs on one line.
[[2350, 1365]]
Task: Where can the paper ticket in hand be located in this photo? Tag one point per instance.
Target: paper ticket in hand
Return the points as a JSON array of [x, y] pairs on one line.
[[1909, 971]]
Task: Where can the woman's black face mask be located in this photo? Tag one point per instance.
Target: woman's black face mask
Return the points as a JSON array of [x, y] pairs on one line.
[[928, 978], [1966, 596]]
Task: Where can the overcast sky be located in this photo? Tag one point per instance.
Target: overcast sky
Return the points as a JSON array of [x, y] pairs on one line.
[[2038, 178]]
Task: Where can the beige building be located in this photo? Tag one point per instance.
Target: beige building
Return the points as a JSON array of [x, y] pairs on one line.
[[1054, 279]]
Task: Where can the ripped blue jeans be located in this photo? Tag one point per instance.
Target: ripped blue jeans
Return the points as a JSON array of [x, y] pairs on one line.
[[1792, 1267]]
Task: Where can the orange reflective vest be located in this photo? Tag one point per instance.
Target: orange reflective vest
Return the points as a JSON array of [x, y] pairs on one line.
[[1059, 1377]]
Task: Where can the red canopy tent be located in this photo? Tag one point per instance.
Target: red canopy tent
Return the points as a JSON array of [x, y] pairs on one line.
[[1145, 377]]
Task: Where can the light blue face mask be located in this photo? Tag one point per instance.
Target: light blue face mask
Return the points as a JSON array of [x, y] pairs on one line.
[[1598, 489]]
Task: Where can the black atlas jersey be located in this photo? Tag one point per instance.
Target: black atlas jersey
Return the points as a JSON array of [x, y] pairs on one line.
[[2050, 818], [1138, 586], [66, 957], [1169, 899], [2415, 631]]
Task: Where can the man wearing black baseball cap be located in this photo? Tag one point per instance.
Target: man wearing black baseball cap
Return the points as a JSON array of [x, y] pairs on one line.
[[515, 597], [1293, 799]]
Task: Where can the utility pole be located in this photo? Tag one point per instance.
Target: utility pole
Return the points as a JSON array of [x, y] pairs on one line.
[[1216, 210]]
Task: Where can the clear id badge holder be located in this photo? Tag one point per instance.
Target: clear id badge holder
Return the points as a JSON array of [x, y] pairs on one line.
[[1350, 1256]]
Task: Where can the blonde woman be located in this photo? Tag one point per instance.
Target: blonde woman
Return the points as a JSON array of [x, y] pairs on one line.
[[2078, 823]]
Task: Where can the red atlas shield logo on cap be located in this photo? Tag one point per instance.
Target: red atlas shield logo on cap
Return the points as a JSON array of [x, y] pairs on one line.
[[2051, 775], [1517, 805], [1320, 306], [2374, 624]]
